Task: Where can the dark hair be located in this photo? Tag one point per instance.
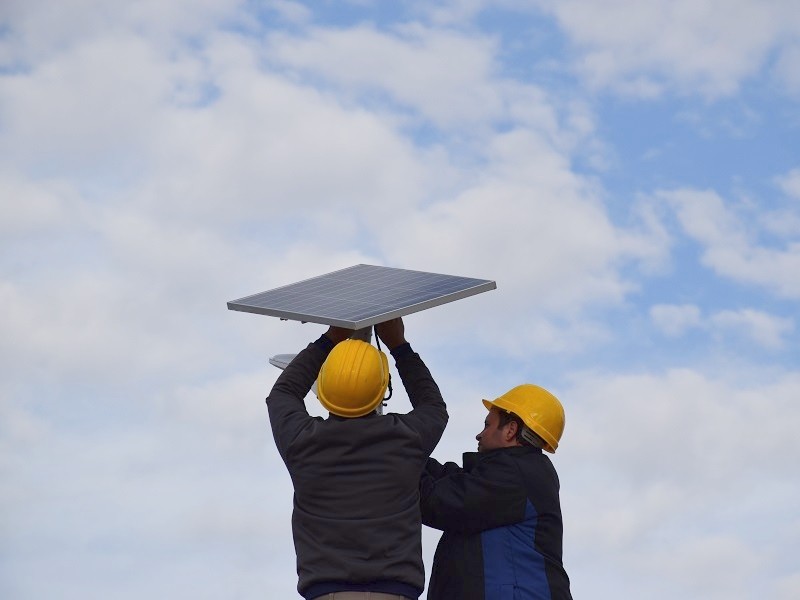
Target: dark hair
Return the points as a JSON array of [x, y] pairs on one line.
[[524, 435]]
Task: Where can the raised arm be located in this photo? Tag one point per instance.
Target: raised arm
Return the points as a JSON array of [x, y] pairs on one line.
[[286, 401], [429, 416], [453, 499]]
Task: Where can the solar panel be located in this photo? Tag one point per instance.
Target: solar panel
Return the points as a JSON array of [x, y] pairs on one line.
[[361, 296]]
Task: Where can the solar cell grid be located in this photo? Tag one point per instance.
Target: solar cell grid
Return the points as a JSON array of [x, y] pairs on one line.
[[361, 296]]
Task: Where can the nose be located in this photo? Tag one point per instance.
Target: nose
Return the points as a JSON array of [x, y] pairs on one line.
[[478, 437]]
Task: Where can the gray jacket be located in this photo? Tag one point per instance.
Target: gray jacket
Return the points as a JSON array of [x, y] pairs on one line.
[[356, 516]]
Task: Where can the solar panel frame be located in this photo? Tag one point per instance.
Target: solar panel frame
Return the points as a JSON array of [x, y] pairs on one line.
[[361, 296]]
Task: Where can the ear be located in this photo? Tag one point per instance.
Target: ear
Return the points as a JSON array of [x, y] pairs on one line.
[[510, 432]]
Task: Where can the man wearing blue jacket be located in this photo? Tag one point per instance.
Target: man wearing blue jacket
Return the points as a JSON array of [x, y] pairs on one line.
[[500, 514]]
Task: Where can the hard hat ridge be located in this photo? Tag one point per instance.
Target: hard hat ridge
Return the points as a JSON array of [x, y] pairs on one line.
[[353, 379]]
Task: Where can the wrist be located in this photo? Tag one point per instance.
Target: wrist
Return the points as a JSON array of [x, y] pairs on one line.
[[337, 334], [401, 350], [325, 343]]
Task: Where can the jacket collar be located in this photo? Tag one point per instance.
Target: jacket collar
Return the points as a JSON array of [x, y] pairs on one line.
[[470, 459]]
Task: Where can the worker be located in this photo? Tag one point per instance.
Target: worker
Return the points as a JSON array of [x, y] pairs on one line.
[[356, 519], [500, 514]]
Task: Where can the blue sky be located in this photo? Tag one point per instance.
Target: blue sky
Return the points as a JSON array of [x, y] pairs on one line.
[[628, 172]]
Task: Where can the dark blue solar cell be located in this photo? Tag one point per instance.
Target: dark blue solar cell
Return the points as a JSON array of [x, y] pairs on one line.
[[361, 296]]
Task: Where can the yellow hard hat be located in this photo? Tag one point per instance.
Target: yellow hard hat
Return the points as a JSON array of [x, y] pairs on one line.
[[353, 379], [538, 409]]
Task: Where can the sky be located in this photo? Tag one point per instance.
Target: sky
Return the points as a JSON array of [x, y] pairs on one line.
[[628, 173]]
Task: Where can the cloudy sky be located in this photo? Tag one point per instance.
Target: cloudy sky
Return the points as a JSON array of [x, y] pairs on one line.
[[627, 172]]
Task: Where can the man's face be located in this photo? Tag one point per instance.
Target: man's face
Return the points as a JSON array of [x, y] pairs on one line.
[[494, 436]]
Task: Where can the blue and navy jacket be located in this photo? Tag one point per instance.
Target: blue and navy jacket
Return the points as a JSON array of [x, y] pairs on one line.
[[502, 531]]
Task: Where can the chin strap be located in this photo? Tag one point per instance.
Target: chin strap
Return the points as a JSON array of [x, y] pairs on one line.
[[378, 342], [531, 438]]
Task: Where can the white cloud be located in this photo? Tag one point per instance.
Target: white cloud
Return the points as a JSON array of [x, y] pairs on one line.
[[661, 468], [295, 12], [766, 330], [541, 232], [27, 207], [106, 90], [95, 325], [787, 588], [783, 223], [227, 409], [674, 320], [452, 12], [267, 150], [730, 246], [785, 67], [38, 29], [790, 183], [128, 108], [103, 508], [643, 48], [275, 155], [159, 159], [443, 74], [714, 566]]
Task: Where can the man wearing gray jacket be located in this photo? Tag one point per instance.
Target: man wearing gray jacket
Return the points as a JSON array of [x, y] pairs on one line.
[[356, 521]]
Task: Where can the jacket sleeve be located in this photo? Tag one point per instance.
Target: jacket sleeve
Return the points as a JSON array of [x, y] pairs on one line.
[[286, 402], [429, 415], [455, 500], [435, 470]]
